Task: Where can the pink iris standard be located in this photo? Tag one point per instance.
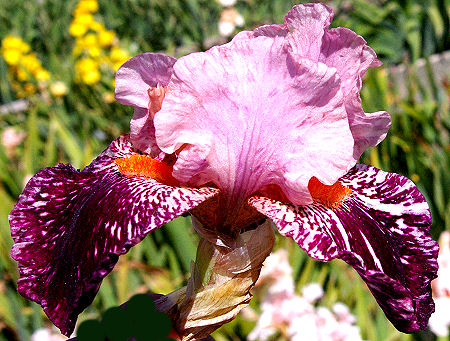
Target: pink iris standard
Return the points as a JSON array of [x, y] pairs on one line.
[[269, 125]]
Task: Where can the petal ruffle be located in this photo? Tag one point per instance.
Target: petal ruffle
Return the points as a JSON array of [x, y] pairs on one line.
[[133, 81], [368, 129], [307, 35], [137, 75], [381, 229], [308, 24], [255, 117], [142, 134], [70, 226], [349, 54]]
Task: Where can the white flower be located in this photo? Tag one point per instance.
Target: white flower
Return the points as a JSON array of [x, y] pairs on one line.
[[295, 316], [46, 334], [227, 3], [229, 19], [58, 89], [277, 272], [439, 322], [312, 292], [11, 137], [226, 28], [343, 313], [303, 327]]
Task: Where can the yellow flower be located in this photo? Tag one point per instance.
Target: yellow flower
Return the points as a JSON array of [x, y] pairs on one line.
[[30, 63], [87, 71], [86, 6], [117, 65], [29, 89], [77, 50], [104, 60], [94, 51], [85, 19], [58, 89], [108, 97], [118, 54], [12, 56], [77, 29], [96, 26], [22, 74], [42, 75], [90, 40], [86, 64], [15, 43], [118, 57], [106, 38], [23, 65], [91, 77]]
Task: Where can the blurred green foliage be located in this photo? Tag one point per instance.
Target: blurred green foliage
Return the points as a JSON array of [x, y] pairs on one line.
[[76, 127]]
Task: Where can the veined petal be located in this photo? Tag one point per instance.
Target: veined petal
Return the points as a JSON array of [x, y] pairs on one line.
[[349, 54], [134, 79], [307, 24], [381, 229], [368, 129], [142, 134], [221, 105], [307, 36], [255, 117], [137, 75], [70, 226]]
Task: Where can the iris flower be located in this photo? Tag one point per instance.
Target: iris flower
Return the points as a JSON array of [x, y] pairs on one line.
[[269, 125]]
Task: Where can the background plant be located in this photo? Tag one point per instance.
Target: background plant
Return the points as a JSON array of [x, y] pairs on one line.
[[68, 117]]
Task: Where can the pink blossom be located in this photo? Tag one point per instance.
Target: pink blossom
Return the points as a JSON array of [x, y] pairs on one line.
[[440, 320], [47, 334], [11, 137], [268, 126], [277, 272], [296, 316], [312, 292], [222, 108], [229, 19]]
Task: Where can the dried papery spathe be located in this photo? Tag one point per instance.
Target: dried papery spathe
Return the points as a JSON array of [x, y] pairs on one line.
[[220, 284]]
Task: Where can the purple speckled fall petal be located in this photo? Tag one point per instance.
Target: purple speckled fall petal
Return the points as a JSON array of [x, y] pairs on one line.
[[381, 229], [70, 226]]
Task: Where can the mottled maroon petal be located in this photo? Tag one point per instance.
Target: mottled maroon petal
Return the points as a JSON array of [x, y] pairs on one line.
[[381, 229], [70, 226]]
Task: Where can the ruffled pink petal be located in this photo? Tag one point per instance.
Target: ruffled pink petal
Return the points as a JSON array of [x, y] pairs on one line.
[[307, 24], [381, 229], [137, 75], [269, 31], [350, 55], [69, 228], [307, 35], [142, 134], [258, 117], [368, 129], [134, 79]]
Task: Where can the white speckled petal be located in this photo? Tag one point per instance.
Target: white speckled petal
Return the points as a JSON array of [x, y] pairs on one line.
[[70, 226], [381, 229]]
